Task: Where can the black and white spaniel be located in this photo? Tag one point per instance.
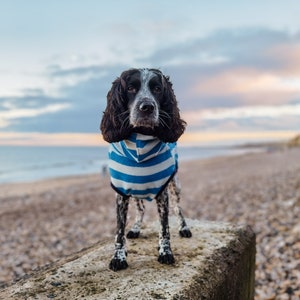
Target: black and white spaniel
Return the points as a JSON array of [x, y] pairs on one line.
[[142, 124]]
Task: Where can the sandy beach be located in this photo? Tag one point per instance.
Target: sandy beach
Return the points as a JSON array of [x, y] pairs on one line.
[[43, 221]]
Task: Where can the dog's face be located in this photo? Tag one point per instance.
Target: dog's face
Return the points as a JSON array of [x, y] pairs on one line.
[[144, 90], [142, 100]]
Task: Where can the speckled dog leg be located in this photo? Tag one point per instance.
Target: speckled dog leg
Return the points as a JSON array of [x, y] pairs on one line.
[[164, 247], [134, 232], [174, 190], [118, 261]]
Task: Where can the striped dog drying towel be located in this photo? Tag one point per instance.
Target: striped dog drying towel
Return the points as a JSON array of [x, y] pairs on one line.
[[141, 166]]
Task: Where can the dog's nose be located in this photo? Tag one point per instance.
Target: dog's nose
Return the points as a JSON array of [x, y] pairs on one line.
[[147, 107]]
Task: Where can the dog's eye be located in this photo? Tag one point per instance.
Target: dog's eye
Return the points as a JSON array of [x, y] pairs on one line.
[[131, 89], [157, 89]]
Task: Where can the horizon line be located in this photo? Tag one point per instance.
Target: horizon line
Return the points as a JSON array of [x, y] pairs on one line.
[[189, 138]]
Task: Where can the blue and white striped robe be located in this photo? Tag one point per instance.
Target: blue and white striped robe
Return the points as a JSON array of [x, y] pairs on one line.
[[142, 166]]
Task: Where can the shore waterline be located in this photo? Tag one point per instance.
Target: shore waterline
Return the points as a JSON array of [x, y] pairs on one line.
[[27, 164]]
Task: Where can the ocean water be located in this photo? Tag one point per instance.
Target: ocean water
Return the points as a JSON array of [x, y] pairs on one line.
[[25, 164]]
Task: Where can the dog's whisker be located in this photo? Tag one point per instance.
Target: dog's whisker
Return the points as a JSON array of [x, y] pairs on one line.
[[165, 114], [125, 123], [162, 116], [163, 123]]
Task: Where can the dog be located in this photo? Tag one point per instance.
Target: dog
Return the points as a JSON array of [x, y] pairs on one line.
[[142, 123]]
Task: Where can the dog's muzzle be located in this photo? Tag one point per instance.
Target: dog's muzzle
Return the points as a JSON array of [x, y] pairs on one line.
[[147, 107], [145, 114]]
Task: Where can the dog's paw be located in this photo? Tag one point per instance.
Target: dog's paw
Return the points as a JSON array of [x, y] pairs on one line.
[[185, 232], [119, 262], [133, 234], [166, 258], [165, 252]]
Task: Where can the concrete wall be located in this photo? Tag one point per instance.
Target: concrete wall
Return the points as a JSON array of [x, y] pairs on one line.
[[217, 263]]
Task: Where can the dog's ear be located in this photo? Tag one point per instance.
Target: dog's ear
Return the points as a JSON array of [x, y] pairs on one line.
[[115, 121], [171, 125]]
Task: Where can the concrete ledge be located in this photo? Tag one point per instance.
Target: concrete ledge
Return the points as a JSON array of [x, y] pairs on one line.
[[217, 263]]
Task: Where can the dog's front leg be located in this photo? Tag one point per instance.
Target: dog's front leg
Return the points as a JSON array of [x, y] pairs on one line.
[[164, 246], [118, 261]]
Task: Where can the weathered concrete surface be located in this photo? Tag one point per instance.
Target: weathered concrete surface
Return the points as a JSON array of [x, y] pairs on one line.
[[216, 263]]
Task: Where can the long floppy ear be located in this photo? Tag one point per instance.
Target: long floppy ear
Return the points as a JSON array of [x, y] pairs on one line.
[[115, 121], [171, 125]]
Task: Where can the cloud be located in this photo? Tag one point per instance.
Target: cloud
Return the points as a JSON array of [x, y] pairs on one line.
[[258, 67], [243, 46], [246, 112], [231, 78], [250, 85], [11, 113], [286, 56], [283, 117], [75, 106]]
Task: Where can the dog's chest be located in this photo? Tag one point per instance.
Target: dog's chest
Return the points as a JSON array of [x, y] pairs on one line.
[[141, 166]]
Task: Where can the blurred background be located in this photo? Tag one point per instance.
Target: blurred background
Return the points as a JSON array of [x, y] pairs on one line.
[[234, 66]]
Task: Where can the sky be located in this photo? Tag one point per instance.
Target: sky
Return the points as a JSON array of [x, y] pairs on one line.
[[235, 65]]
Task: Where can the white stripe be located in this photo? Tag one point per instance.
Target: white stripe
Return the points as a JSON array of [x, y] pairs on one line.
[[116, 147], [137, 154], [155, 154], [142, 171], [150, 145], [143, 137], [135, 158], [129, 144]]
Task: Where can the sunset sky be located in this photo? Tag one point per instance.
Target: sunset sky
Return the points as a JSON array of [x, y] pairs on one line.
[[235, 65]]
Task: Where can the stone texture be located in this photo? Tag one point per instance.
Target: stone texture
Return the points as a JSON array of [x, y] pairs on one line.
[[218, 262]]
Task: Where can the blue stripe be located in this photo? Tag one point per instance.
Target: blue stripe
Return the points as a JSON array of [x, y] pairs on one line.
[[124, 148], [143, 179], [116, 149], [132, 163], [122, 159], [159, 158], [132, 138], [141, 157], [140, 143], [172, 145], [153, 150], [143, 143]]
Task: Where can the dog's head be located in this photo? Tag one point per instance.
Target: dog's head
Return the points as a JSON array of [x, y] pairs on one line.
[[143, 101]]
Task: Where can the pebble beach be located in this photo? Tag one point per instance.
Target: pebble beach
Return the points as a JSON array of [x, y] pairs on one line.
[[45, 220]]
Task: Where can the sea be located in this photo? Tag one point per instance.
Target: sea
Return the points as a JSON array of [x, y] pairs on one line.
[[31, 163]]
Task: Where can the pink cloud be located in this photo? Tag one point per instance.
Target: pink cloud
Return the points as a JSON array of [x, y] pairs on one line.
[[288, 55], [250, 85]]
